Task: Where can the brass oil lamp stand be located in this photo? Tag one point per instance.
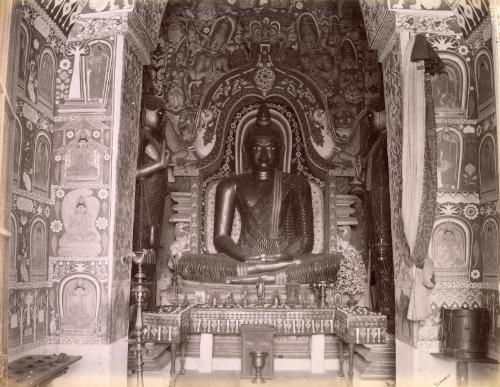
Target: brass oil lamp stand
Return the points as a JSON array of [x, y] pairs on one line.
[[140, 292]]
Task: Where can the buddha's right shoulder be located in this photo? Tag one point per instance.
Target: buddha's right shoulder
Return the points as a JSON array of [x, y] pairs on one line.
[[228, 182]]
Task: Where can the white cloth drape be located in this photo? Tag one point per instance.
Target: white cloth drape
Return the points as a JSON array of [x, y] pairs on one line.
[[413, 143]]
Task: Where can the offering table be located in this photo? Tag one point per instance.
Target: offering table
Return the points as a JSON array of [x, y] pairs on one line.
[[353, 325], [357, 325]]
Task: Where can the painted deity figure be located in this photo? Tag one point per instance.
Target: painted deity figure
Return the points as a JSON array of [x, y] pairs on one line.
[[82, 162], [314, 60], [212, 62], [275, 207], [81, 237]]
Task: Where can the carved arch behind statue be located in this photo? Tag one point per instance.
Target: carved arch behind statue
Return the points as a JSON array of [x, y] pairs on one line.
[[282, 125], [223, 127], [244, 86], [451, 236]]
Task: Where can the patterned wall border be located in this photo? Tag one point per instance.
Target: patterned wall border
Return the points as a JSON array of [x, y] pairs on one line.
[[34, 196], [466, 285], [38, 107], [29, 285], [458, 197]]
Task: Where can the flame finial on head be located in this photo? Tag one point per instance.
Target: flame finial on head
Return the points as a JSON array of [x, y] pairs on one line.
[[263, 116]]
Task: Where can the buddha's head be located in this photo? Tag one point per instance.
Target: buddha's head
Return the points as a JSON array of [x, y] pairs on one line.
[[263, 143]]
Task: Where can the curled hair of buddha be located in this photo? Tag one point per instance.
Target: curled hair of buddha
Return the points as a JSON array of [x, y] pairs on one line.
[[264, 127]]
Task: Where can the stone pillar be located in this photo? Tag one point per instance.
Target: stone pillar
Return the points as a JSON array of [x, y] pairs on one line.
[[95, 152], [6, 154]]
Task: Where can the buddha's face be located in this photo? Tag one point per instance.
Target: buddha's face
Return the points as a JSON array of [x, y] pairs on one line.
[[263, 153]]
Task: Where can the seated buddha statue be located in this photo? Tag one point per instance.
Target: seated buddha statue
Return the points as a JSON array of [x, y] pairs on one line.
[[276, 236]]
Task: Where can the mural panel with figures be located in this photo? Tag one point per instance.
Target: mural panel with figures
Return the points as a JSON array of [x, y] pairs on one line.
[[483, 71], [491, 266], [488, 173], [450, 87], [80, 223], [449, 152], [450, 248], [38, 52], [201, 43]]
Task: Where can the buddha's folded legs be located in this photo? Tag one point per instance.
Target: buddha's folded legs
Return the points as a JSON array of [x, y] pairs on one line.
[[220, 268]]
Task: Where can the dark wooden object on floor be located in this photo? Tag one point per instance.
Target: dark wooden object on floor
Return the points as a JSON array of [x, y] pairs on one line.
[[38, 370], [257, 338]]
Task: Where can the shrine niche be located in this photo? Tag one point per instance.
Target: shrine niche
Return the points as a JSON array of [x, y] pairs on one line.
[[450, 249], [41, 163], [213, 69], [450, 87], [490, 249], [46, 78], [79, 300], [483, 72], [38, 250], [449, 154], [487, 166]]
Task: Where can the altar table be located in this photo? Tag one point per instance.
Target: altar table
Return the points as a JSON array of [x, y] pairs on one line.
[[353, 325]]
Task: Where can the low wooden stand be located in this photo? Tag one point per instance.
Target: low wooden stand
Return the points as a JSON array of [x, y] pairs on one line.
[[38, 370]]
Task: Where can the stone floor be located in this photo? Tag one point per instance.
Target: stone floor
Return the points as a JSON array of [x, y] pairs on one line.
[[288, 379], [232, 379]]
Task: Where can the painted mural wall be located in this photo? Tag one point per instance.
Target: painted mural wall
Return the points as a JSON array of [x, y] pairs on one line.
[[464, 242], [39, 52], [464, 245], [61, 263]]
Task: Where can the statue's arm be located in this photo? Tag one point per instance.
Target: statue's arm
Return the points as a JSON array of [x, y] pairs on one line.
[[225, 207], [304, 227]]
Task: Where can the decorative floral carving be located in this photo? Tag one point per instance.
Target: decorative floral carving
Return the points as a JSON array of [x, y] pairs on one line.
[[471, 211], [264, 79], [56, 226]]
